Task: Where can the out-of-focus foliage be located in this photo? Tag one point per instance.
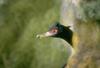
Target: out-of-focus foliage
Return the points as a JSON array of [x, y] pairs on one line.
[[20, 21], [84, 16], [89, 10]]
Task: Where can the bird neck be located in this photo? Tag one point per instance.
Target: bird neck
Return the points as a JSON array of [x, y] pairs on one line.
[[67, 36]]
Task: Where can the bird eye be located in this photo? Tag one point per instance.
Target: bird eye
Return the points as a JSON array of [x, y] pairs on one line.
[[54, 31]]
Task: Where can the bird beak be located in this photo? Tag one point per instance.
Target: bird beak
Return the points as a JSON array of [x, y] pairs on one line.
[[47, 34]]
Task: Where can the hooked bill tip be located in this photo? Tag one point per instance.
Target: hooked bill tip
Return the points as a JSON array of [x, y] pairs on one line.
[[37, 36], [47, 34], [40, 36]]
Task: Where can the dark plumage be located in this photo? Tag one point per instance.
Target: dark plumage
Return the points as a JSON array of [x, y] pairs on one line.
[[59, 31]]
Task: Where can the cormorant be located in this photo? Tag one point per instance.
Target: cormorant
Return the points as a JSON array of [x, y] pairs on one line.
[[59, 31]]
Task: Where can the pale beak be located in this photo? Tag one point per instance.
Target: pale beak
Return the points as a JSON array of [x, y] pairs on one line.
[[47, 34]]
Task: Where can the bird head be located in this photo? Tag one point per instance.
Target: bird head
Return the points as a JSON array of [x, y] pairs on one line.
[[55, 30]]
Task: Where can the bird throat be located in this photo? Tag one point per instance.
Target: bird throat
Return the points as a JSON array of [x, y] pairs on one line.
[[67, 36]]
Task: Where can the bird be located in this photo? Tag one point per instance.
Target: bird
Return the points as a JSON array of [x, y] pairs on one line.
[[58, 30]]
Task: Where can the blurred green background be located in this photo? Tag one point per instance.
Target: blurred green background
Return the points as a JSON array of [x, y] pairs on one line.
[[20, 22]]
